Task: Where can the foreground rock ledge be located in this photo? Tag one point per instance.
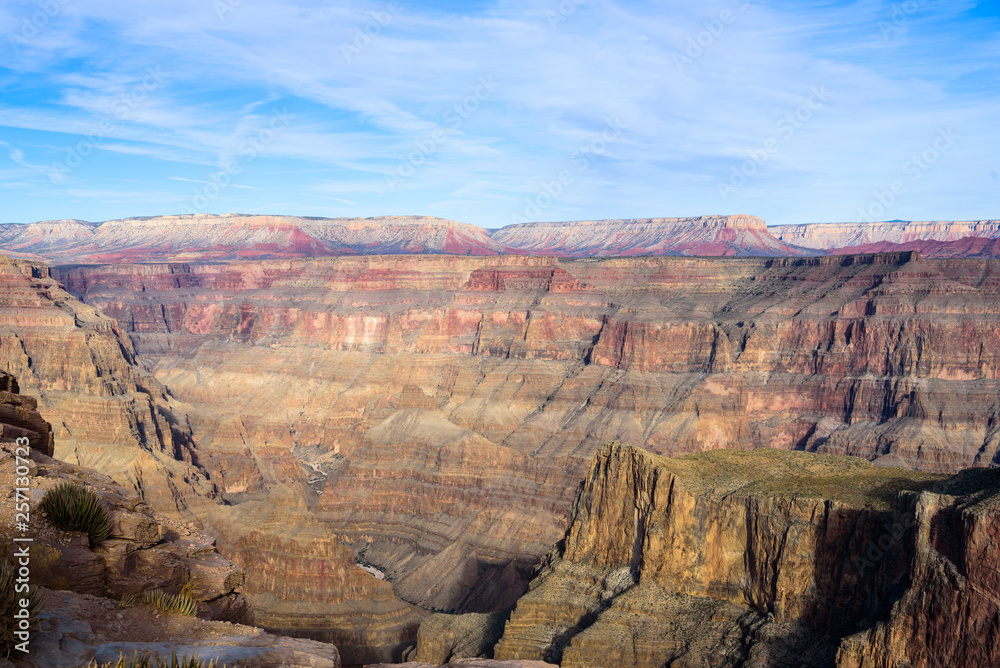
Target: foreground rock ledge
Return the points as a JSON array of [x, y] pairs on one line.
[[766, 558]]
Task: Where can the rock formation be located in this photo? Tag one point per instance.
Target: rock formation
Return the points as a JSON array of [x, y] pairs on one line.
[[212, 238], [111, 414], [235, 236], [85, 613], [442, 410], [19, 417], [733, 558], [859, 236], [707, 235]]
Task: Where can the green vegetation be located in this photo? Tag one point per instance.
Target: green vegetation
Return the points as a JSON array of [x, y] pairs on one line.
[[156, 661], [168, 603], [9, 598], [73, 507]]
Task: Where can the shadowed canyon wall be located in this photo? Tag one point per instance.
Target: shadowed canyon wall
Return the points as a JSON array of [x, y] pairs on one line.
[[436, 413]]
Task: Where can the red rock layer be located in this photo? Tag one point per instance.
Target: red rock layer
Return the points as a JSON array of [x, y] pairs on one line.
[[445, 408], [832, 236]]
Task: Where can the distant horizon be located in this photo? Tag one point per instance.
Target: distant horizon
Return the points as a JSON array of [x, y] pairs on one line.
[[491, 229]]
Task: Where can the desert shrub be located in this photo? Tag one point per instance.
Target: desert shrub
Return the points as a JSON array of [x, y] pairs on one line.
[[8, 606], [73, 507], [130, 600], [167, 603], [155, 661]]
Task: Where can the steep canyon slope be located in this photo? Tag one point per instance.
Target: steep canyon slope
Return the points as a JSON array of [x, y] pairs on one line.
[[445, 408], [111, 414]]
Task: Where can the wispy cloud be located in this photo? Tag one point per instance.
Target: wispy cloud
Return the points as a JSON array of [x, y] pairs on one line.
[[231, 185], [701, 85]]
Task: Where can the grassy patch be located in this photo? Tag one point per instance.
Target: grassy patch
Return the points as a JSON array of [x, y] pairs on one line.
[[155, 661]]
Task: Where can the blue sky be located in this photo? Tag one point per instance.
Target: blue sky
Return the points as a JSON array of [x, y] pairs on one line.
[[500, 112]]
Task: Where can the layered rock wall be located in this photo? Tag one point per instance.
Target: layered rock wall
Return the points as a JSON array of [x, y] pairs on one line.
[[441, 410]]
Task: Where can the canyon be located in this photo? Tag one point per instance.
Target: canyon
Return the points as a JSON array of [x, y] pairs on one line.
[[438, 412], [428, 418]]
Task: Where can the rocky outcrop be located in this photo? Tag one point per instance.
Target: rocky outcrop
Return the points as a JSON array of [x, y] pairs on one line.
[[85, 613], [857, 236], [706, 235], [441, 410], [738, 558], [443, 638], [143, 552], [19, 417]]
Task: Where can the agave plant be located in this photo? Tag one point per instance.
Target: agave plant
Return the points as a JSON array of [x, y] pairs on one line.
[[73, 507], [167, 603], [156, 661]]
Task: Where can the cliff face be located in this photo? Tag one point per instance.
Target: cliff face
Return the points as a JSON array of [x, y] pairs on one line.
[[19, 417], [763, 558], [88, 385], [111, 414], [441, 410], [707, 235], [832, 236], [237, 236]]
